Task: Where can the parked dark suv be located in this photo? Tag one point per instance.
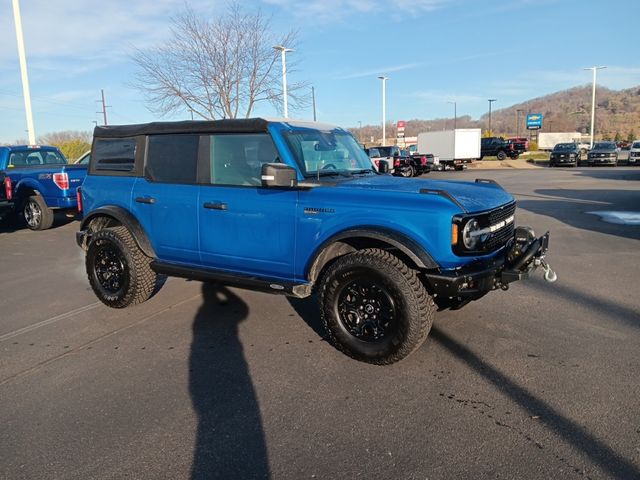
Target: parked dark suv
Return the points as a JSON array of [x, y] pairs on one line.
[[296, 208], [564, 155], [603, 153]]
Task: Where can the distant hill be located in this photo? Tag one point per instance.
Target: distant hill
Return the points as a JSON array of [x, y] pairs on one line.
[[617, 111]]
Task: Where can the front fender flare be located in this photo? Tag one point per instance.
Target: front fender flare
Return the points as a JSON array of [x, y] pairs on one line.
[[402, 242], [128, 220]]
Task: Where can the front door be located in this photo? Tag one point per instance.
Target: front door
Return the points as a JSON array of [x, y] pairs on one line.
[[244, 227]]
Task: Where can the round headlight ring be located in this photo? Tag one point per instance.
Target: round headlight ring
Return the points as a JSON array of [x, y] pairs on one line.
[[470, 241]]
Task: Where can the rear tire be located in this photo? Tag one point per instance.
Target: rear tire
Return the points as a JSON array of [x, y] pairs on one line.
[[501, 155], [36, 213], [119, 272], [374, 307]]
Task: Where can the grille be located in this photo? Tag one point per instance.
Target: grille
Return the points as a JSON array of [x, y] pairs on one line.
[[500, 237]]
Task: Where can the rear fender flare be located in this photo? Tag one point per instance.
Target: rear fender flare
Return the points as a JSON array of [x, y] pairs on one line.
[[125, 218]]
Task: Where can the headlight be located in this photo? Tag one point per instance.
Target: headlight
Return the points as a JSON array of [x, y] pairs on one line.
[[469, 237]]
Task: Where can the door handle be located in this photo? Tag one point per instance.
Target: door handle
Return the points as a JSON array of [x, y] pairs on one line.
[[215, 205], [148, 200]]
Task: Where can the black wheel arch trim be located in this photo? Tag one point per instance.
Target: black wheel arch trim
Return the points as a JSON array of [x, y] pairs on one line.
[[402, 242], [128, 220]]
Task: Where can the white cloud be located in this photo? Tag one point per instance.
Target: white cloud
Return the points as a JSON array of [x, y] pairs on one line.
[[378, 71]]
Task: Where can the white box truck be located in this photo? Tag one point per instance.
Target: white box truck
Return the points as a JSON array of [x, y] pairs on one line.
[[548, 140], [452, 147]]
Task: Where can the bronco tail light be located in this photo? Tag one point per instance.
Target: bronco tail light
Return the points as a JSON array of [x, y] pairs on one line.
[[423, 160], [61, 180], [7, 188], [79, 199]]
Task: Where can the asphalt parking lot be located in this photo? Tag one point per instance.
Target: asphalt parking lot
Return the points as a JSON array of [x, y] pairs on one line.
[[208, 382]]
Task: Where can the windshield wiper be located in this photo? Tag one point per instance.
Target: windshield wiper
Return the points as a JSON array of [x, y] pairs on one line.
[[330, 173]]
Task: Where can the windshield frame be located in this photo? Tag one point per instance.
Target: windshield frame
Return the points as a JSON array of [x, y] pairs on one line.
[[564, 147]]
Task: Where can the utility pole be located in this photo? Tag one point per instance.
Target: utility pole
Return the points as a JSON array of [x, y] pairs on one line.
[[283, 52], [384, 108], [593, 101], [455, 115], [104, 107], [491, 100], [518, 122], [23, 72], [313, 98]]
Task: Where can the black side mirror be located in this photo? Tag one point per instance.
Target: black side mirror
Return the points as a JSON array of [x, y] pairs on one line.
[[278, 175], [383, 167]]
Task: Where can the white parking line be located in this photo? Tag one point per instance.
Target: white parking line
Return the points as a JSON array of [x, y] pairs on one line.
[[48, 321]]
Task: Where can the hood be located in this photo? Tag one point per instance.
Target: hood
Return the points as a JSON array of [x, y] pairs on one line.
[[603, 150], [474, 197]]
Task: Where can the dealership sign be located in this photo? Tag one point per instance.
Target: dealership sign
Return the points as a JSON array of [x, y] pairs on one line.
[[534, 121]]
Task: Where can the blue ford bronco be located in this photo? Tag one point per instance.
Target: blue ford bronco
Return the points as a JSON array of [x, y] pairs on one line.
[[296, 208]]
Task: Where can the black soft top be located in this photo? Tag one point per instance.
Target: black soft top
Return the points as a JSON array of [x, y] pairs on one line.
[[249, 125]]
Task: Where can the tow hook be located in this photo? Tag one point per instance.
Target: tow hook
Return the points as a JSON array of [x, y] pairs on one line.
[[549, 275]]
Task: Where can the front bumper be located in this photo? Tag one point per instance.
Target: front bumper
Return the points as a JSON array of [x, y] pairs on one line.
[[454, 289], [603, 160]]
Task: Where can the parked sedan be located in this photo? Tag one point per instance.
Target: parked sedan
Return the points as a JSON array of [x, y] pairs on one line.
[[564, 155], [604, 153]]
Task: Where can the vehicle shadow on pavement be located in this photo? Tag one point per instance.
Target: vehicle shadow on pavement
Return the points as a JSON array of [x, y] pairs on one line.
[[10, 225], [570, 207], [572, 433], [230, 441]]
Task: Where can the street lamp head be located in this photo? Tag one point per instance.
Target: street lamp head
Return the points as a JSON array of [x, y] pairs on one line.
[[382, 77], [282, 48], [493, 100]]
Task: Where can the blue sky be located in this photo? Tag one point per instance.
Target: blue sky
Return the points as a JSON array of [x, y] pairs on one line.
[[433, 51]]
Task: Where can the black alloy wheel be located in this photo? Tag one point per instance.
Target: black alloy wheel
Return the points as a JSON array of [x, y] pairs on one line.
[[110, 268], [366, 309]]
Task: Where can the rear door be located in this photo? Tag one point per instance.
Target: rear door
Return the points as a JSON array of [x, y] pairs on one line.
[[165, 199]]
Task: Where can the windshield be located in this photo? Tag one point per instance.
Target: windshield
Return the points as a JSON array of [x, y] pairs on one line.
[[318, 152], [635, 145], [604, 146], [564, 147]]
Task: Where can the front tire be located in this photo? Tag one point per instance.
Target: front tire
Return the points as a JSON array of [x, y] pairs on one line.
[[501, 155], [119, 272], [374, 307], [36, 213]]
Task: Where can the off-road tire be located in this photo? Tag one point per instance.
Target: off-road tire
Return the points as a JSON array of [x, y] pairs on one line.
[[501, 155], [36, 214], [138, 281], [413, 306]]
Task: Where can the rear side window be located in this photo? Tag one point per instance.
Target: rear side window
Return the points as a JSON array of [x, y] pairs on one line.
[[114, 154], [172, 158]]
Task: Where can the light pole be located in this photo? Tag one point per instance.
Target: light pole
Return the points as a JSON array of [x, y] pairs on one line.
[[518, 122], [491, 100], [283, 51], [384, 107], [455, 114], [23, 72], [593, 101]]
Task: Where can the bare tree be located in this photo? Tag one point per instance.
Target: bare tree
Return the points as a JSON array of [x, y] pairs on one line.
[[219, 68]]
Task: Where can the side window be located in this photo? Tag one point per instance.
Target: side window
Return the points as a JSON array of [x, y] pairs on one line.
[[114, 154], [172, 158], [237, 159]]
